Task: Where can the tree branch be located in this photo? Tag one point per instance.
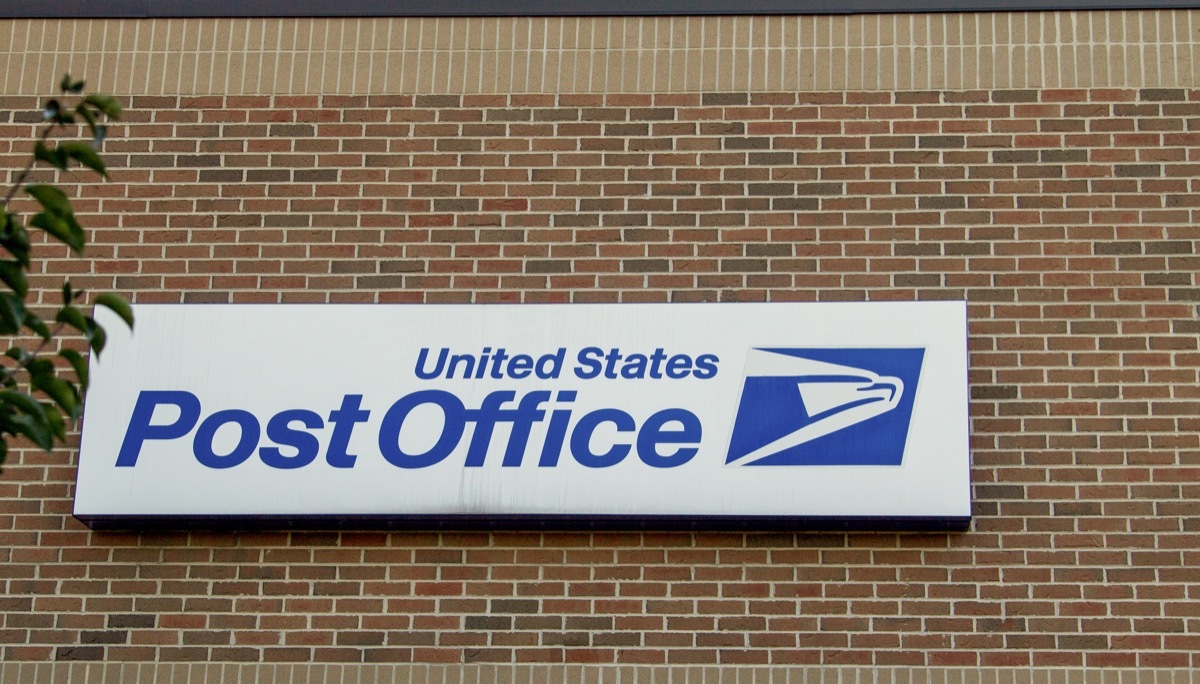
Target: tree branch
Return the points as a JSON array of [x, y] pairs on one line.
[[20, 181]]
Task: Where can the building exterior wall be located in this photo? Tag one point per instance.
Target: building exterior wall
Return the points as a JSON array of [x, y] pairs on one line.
[[1041, 166]]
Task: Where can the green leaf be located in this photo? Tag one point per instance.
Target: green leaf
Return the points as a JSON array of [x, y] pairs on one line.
[[73, 317], [63, 227], [18, 354], [79, 363], [15, 239], [69, 86], [12, 313], [85, 154], [57, 428], [38, 366], [117, 305], [21, 414], [96, 337], [89, 117], [35, 323], [105, 104], [62, 392], [20, 401], [36, 428], [51, 155], [12, 274], [51, 198]]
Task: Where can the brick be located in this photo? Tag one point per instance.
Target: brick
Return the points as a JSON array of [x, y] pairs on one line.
[[1184, 294], [292, 130], [944, 202], [79, 653], [514, 606], [1162, 95], [750, 143], [1011, 96], [193, 160], [1170, 247], [1063, 217], [819, 189], [437, 101], [1137, 170], [724, 99], [115, 636], [487, 622], [130, 621], [941, 141]]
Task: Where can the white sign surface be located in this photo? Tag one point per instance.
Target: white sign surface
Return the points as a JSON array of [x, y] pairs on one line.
[[811, 415]]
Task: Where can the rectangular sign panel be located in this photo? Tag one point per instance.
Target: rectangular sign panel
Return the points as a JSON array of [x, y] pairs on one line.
[[708, 415]]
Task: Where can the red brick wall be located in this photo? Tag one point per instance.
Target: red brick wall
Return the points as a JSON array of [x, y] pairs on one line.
[[1066, 218]]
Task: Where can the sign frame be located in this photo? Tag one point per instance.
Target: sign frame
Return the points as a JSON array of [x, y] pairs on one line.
[[155, 380]]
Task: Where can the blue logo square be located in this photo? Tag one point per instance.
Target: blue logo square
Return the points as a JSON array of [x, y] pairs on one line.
[[825, 407]]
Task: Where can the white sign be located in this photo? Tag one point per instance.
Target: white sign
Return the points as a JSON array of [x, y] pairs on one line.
[[805, 415]]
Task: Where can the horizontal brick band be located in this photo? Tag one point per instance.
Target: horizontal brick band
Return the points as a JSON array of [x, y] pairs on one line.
[[605, 55], [576, 674]]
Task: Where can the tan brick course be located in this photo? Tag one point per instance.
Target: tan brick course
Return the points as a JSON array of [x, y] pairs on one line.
[[608, 55]]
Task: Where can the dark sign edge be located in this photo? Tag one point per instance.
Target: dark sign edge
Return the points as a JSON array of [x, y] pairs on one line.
[[527, 523]]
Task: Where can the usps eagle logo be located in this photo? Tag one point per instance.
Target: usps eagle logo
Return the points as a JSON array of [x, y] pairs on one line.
[[825, 407]]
